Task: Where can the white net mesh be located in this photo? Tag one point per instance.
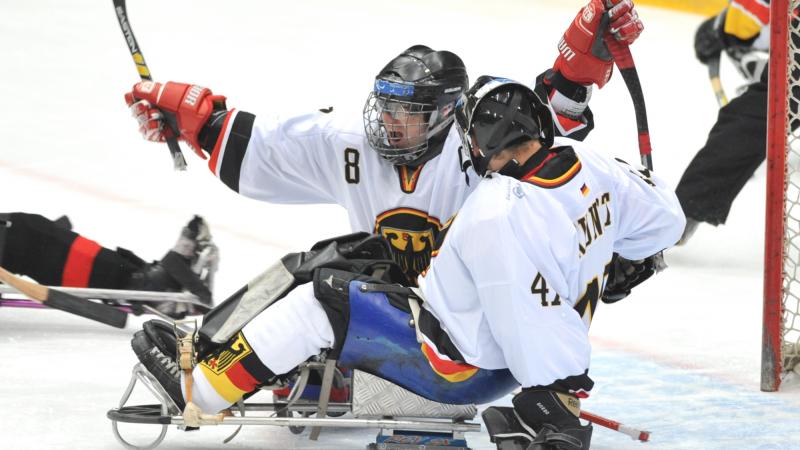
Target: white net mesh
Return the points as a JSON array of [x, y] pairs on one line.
[[791, 265]]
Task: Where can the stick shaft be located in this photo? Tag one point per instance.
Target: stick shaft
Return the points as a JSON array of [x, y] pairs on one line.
[[66, 302], [716, 83], [121, 295], [627, 68], [178, 160], [33, 304]]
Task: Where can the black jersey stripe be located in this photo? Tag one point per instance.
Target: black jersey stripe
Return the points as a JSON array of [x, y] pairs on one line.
[[235, 149]]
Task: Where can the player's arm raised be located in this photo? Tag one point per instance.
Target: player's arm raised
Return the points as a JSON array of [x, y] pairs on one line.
[[584, 60], [267, 160]]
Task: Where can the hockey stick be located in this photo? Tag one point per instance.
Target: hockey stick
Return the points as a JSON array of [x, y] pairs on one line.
[[179, 163], [66, 302], [639, 435], [627, 68], [123, 295], [716, 84]]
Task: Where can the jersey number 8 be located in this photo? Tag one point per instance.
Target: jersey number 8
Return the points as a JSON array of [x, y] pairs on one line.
[[351, 172]]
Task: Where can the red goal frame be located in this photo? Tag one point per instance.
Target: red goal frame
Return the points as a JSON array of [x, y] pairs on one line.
[[778, 112]]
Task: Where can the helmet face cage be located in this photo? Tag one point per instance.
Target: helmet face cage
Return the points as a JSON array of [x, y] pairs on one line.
[[398, 123]]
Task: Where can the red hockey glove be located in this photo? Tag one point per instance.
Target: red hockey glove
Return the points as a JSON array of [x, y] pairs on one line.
[[624, 21], [583, 56], [186, 106]]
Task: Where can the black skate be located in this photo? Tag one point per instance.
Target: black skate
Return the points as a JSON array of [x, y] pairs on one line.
[[156, 347], [549, 438], [189, 266], [506, 430], [197, 251], [509, 432]]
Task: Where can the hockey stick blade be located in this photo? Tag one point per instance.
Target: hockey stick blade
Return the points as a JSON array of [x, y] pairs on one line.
[[636, 434], [66, 302], [178, 161]]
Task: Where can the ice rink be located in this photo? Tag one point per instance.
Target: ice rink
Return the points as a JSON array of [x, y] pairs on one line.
[[679, 357]]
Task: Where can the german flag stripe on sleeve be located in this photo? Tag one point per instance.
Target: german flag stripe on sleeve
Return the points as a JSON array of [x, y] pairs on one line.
[[222, 140], [226, 159]]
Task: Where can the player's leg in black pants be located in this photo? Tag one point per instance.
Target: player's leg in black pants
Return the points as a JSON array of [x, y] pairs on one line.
[[52, 254], [736, 146]]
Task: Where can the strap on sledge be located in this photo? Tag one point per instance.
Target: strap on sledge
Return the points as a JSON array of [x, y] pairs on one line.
[[193, 416]]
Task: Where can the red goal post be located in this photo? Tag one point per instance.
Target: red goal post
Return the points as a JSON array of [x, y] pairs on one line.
[[781, 333]]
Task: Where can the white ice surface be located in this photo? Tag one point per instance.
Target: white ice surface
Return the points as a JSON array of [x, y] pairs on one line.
[[680, 357]]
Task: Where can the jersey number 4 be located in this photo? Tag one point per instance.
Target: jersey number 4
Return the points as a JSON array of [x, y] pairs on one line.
[[588, 298], [539, 286]]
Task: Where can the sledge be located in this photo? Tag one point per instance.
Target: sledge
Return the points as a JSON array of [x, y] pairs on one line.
[[404, 417], [394, 386]]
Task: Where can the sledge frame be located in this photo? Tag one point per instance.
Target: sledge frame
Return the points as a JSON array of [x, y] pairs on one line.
[[166, 413]]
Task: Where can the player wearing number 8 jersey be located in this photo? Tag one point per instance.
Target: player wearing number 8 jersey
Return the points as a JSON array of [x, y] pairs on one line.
[[396, 171], [521, 268]]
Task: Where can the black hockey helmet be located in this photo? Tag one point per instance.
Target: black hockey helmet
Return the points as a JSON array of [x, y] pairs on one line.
[[408, 114], [498, 113]]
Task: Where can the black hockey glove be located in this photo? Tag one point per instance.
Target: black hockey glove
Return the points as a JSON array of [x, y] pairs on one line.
[[708, 40], [625, 275]]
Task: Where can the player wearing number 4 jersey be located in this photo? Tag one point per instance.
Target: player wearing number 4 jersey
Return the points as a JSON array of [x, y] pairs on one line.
[[397, 173], [521, 268]]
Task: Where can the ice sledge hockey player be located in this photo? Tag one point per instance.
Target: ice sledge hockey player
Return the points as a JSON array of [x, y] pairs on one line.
[[513, 285], [397, 173], [522, 266], [52, 254], [737, 143]]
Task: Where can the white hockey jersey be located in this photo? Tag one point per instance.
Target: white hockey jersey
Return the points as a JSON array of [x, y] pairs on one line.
[[521, 269], [320, 158]]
